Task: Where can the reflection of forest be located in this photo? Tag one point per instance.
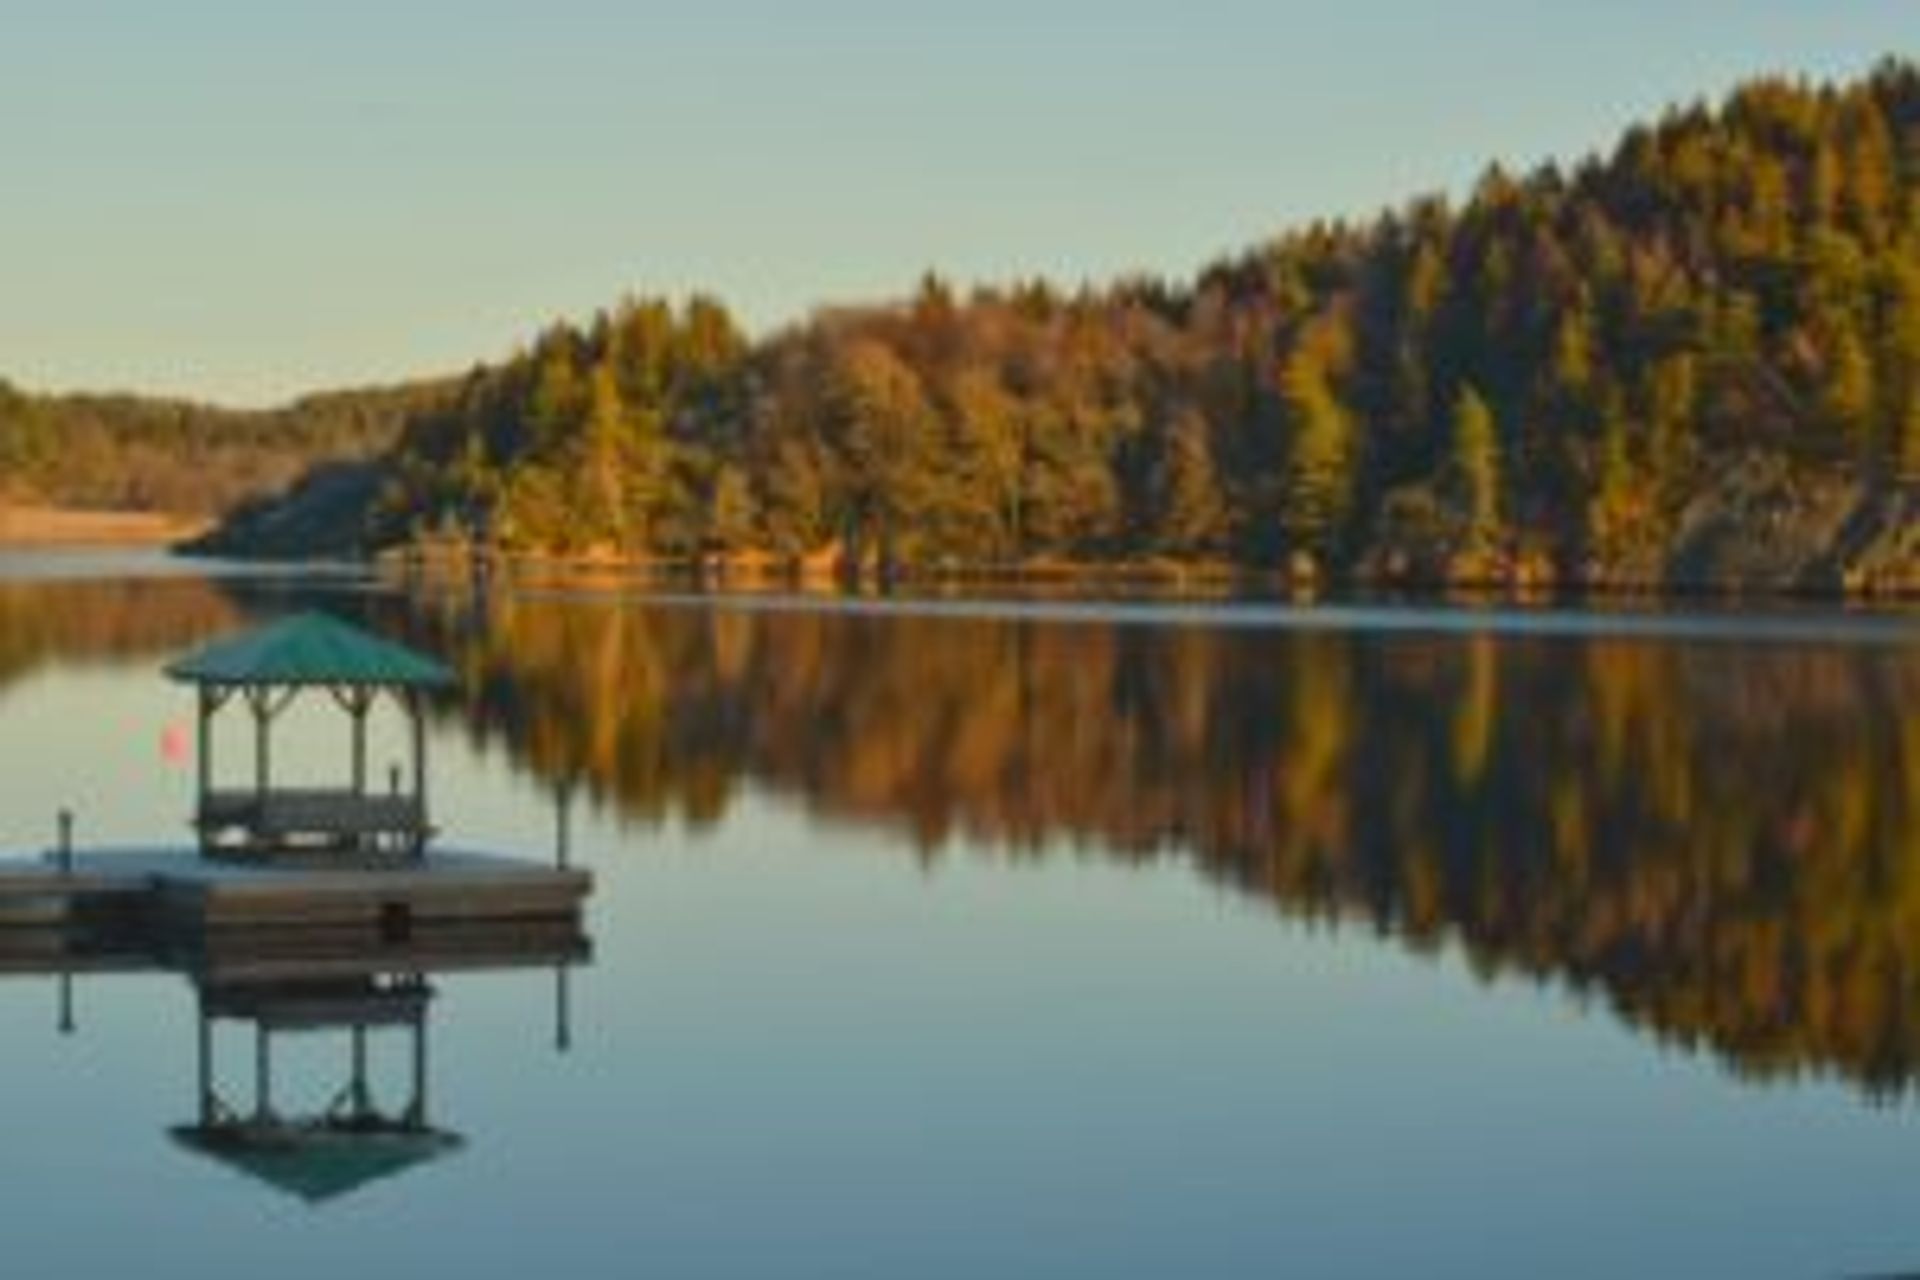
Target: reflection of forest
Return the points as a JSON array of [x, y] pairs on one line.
[[1714, 836], [108, 620]]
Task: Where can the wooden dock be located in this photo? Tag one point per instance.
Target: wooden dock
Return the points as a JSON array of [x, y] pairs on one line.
[[36, 896], [178, 890]]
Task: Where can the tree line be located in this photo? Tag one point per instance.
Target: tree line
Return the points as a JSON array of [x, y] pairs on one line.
[[1558, 372]]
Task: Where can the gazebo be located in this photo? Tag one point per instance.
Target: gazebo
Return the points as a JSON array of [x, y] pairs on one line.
[[266, 670]]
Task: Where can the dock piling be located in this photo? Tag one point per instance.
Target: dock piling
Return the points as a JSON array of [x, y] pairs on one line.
[[65, 845]]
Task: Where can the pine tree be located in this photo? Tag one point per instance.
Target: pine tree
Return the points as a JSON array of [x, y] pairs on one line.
[[558, 397], [1191, 515], [884, 429], [1617, 491], [1317, 484], [794, 500], [1476, 468], [1847, 396], [992, 446], [1906, 440], [1673, 389], [607, 459], [730, 512]]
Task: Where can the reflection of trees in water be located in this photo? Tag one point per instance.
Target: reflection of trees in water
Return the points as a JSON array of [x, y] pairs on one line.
[[1713, 836], [1718, 839], [120, 620]]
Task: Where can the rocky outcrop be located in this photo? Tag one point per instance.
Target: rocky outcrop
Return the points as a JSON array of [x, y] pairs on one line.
[[1763, 525], [325, 515]]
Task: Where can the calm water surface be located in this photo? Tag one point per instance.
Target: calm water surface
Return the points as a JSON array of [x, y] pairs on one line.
[[1052, 942]]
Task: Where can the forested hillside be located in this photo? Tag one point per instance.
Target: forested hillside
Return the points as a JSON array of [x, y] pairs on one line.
[[1696, 358], [141, 454]]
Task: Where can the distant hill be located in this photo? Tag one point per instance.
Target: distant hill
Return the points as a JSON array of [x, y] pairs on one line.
[[1693, 360], [140, 454]]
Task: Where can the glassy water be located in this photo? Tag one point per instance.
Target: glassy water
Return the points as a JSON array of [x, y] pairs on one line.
[[1056, 941]]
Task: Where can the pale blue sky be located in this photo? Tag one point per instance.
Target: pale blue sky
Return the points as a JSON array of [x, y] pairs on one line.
[[242, 199]]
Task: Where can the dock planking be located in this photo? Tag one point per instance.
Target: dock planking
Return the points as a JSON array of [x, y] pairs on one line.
[[180, 889]]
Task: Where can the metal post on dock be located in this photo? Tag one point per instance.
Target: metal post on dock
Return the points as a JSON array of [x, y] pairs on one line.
[[417, 1108], [262, 1074], [362, 1097], [205, 1065]]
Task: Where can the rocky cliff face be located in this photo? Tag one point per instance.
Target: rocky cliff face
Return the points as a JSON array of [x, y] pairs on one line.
[[325, 515], [1761, 525]]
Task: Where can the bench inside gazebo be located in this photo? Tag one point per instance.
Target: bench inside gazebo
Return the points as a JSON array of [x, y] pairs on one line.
[[265, 671]]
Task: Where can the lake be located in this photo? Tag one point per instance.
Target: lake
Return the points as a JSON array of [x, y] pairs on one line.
[[1051, 940]]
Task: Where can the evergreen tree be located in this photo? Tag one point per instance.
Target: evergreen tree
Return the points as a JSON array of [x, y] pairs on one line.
[[730, 523], [1476, 469], [1847, 393], [1618, 494], [1906, 440], [1191, 515], [1317, 485]]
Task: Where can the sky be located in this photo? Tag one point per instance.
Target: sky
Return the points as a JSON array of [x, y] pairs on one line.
[[241, 200]]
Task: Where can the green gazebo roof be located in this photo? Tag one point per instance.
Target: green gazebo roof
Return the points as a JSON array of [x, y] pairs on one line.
[[309, 649]]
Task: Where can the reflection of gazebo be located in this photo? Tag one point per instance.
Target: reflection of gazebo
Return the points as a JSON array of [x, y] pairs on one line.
[[321, 1167], [267, 669], [352, 1141]]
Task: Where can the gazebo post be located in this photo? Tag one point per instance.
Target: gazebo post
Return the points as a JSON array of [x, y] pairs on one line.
[[203, 749], [258, 697], [416, 713], [360, 702]]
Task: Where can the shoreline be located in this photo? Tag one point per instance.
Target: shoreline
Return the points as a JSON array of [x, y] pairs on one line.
[[1170, 581], [42, 528]]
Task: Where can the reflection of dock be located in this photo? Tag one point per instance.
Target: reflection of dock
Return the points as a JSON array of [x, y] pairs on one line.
[[180, 890], [310, 982]]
